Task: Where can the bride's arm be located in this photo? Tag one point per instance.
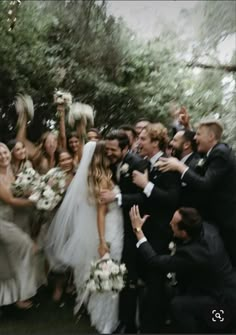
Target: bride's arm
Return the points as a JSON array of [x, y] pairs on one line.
[[7, 197], [101, 213]]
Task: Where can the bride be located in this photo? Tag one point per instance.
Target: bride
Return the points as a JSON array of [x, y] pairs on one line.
[[84, 230]]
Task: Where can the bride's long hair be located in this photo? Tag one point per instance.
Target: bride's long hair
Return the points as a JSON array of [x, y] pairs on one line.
[[99, 172]]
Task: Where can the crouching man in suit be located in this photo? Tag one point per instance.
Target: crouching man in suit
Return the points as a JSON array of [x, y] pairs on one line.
[[206, 279]]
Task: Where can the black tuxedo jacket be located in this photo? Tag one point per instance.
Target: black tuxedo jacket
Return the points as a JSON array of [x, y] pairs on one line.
[[161, 205], [215, 181], [201, 265], [188, 196], [129, 190]]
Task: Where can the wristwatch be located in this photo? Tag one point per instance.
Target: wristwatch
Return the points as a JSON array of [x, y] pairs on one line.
[[137, 229]]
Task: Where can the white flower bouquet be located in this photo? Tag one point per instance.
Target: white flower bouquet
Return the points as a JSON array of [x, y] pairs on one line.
[[50, 190], [24, 105], [106, 275], [45, 191], [26, 182], [61, 98], [81, 113]]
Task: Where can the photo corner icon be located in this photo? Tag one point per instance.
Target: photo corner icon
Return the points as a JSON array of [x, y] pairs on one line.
[[218, 317]]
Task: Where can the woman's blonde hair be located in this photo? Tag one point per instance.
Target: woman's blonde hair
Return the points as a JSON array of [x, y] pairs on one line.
[[41, 152], [99, 173]]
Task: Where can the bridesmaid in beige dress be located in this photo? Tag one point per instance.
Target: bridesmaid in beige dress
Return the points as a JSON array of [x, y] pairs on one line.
[[19, 162], [17, 269]]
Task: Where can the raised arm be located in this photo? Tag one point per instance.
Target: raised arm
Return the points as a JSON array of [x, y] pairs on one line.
[[22, 135], [62, 127]]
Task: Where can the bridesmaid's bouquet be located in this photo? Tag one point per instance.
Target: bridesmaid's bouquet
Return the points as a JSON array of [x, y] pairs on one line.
[[62, 98], [50, 190], [26, 182], [45, 191], [106, 275]]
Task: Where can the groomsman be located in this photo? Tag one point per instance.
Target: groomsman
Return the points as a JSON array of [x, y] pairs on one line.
[[123, 163], [184, 147], [161, 192], [215, 180], [206, 280]]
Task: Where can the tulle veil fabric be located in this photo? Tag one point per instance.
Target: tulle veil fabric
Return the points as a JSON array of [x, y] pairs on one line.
[[72, 215], [73, 240]]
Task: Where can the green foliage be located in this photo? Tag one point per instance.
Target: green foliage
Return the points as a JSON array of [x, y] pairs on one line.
[[76, 46]]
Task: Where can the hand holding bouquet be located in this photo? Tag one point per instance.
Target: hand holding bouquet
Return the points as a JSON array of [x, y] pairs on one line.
[[106, 275]]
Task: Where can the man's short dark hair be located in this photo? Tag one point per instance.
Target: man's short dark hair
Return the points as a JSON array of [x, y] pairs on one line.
[[189, 137], [128, 127], [142, 119], [120, 136], [191, 221]]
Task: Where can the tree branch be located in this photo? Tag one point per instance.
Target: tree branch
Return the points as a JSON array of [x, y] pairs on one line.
[[227, 68]]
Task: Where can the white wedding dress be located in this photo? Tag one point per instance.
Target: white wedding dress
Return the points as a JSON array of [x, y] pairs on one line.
[[73, 240]]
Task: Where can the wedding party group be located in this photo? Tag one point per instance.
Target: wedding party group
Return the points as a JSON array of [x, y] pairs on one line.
[[139, 223]]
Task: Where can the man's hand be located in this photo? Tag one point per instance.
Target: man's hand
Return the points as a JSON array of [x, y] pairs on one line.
[[171, 164], [136, 220], [140, 179], [107, 196], [184, 118]]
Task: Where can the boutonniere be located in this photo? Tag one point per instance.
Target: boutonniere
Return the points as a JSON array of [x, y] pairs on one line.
[[172, 248], [171, 275], [201, 162], [124, 168]]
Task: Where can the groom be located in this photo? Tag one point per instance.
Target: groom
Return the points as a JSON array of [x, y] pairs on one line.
[[123, 163]]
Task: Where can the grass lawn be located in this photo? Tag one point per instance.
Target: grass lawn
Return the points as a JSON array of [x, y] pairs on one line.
[[44, 318]]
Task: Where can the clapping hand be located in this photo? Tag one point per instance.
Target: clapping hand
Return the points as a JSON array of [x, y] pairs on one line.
[[140, 179]]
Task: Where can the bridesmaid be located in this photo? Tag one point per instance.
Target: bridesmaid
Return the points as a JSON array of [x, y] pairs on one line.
[[62, 278], [19, 159], [17, 269], [73, 142], [43, 154]]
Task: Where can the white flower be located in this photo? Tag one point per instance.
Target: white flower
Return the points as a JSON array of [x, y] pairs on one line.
[[105, 274], [118, 283], [106, 285], [115, 269], [201, 162], [124, 168], [172, 248], [62, 183], [44, 204], [35, 197], [171, 245], [48, 193], [91, 286], [63, 98], [122, 268]]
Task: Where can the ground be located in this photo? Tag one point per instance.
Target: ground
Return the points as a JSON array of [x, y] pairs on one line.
[[44, 318]]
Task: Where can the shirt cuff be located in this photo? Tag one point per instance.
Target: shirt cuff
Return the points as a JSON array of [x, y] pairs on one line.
[[143, 239], [119, 199], [148, 189], [182, 176]]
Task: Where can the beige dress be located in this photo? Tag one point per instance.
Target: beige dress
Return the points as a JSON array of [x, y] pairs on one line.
[[17, 268]]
